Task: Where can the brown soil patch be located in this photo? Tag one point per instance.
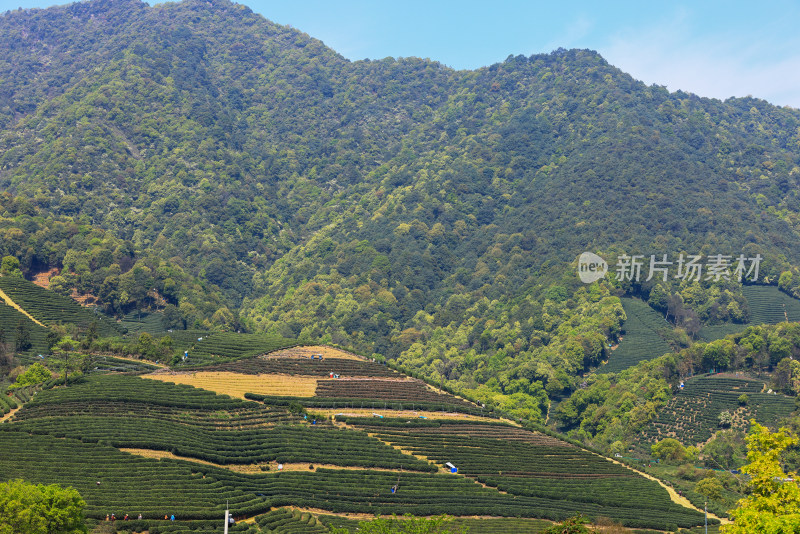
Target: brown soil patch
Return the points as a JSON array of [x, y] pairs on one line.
[[369, 412], [158, 455], [370, 517], [313, 350], [301, 466], [8, 416], [138, 360], [256, 468], [43, 279], [84, 300], [237, 384]]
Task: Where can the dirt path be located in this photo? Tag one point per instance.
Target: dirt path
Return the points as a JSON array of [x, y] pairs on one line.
[[17, 307], [138, 360], [673, 495], [256, 468], [410, 414], [7, 416]]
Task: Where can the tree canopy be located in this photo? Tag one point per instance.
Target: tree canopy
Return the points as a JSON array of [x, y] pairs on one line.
[[773, 505], [38, 509]]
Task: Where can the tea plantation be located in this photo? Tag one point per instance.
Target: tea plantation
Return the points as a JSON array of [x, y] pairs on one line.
[[224, 449], [51, 308], [540, 467], [10, 321], [692, 415], [768, 305], [641, 340], [208, 348]]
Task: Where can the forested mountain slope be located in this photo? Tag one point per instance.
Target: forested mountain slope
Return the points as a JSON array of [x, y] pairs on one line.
[[250, 177]]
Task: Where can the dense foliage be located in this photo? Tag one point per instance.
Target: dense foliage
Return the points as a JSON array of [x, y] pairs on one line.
[[195, 158], [617, 411], [38, 509], [773, 504]]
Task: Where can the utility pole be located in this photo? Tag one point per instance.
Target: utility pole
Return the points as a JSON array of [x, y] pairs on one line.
[[705, 509], [227, 515]]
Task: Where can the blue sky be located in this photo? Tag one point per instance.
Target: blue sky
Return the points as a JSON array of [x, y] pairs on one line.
[[711, 48]]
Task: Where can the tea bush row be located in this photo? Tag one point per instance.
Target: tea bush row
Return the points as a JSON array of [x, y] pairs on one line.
[[284, 444], [52, 308], [306, 367], [692, 415]]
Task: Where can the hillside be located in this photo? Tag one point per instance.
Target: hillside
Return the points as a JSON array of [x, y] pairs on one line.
[[643, 337], [196, 449], [692, 415], [337, 198], [224, 188]]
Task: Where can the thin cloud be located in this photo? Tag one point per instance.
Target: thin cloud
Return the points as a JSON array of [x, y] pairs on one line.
[[717, 65], [575, 32]]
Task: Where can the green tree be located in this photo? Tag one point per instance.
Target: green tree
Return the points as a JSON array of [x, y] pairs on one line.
[[59, 284], [774, 503], [710, 487], [724, 451], [658, 298], [573, 525], [786, 377], [10, 266], [669, 449], [22, 338], [38, 509], [34, 375], [785, 281], [718, 354], [63, 352], [725, 419]]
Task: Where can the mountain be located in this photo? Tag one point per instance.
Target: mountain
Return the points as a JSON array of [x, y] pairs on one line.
[[196, 158]]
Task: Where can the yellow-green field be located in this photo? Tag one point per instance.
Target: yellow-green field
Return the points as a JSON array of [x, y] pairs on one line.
[[237, 384]]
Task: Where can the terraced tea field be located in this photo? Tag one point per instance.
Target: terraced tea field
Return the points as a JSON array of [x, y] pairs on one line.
[[306, 352], [137, 322], [408, 390], [719, 331], [641, 340], [691, 416], [52, 308], [216, 347], [344, 367], [193, 450], [10, 318], [531, 465], [477, 526], [768, 305]]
